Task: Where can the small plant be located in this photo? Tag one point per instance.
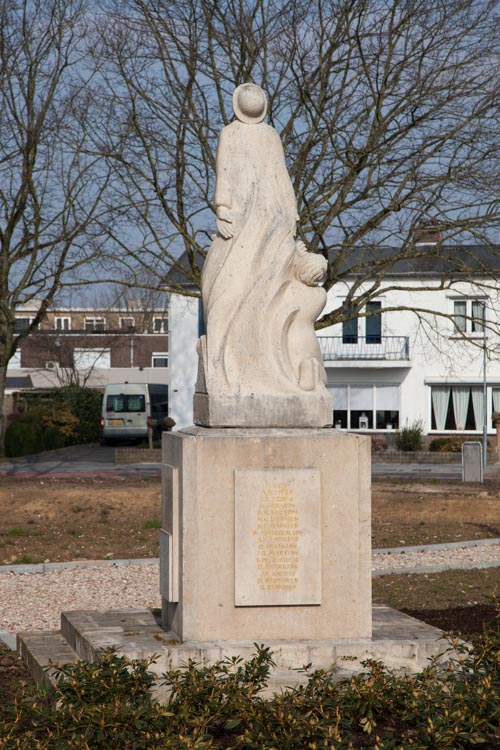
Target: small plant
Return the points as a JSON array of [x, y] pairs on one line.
[[152, 523], [18, 531], [25, 560], [410, 438]]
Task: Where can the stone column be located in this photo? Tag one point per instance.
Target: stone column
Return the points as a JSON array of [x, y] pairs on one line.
[[266, 534]]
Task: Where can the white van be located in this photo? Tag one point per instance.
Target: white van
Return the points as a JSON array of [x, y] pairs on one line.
[[126, 408]]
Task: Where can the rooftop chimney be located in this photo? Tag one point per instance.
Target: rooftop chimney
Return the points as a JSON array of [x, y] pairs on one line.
[[428, 233]]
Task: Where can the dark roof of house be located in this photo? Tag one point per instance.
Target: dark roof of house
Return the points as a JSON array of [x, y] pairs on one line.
[[18, 381], [181, 274], [421, 260]]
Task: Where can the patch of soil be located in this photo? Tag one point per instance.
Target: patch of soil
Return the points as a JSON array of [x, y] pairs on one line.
[[63, 518], [91, 518], [463, 620], [406, 513]]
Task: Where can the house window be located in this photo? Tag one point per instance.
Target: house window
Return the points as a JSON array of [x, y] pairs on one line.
[[365, 406], [469, 315], [495, 406], [159, 359], [457, 407], [201, 319], [93, 325], [87, 359], [160, 325], [374, 322], [22, 324], [127, 324], [350, 327], [62, 324]]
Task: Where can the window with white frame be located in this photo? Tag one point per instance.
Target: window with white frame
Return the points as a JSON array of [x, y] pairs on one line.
[[95, 324], [469, 315], [457, 407], [127, 323], [160, 325], [87, 359], [159, 359], [62, 323], [22, 324], [363, 406], [372, 324]]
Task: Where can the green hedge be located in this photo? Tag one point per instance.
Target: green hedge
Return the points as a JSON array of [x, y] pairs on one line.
[[56, 417], [108, 704], [85, 404], [22, 438]]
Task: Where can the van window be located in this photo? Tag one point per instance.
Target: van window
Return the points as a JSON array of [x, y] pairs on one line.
[[123, 402]]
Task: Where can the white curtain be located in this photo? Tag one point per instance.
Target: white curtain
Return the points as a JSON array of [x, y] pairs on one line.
[[478, 315], [361, 397], [460, 395], [496, 399], [387, 397], [440, 401], [478, 405], [339, 395]]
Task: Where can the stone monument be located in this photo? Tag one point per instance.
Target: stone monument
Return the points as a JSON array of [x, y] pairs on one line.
[[266, 511], [266, 522], [260, 364]]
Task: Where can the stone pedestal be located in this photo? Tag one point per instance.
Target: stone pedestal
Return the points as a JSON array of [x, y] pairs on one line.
[[266, 535]]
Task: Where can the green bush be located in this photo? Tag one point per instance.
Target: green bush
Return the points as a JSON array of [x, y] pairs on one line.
[[85, 404], [108, 704], [22, 438], [410, 438], [53, 438]]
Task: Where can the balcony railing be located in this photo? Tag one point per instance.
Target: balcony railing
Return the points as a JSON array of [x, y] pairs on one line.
[[392, 348]]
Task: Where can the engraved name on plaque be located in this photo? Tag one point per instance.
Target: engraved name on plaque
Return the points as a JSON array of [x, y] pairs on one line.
[[277, 537]]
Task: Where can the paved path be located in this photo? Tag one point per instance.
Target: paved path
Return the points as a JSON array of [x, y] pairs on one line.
[[76, 460], [80, 460]]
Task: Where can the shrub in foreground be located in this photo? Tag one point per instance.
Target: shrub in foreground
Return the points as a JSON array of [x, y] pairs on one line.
[[109, 705], [410, 438], [23, 438]]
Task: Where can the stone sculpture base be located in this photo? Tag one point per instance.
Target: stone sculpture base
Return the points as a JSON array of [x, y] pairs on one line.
[[399, 641], [265, 535], [309, 409]]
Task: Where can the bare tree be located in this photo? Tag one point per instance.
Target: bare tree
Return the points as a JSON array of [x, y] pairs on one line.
[[50, 188], [386, 109]]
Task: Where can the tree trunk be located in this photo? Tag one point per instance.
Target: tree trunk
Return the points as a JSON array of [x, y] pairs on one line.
[[3, 378]]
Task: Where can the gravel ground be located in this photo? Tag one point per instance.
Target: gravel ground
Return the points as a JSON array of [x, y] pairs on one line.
[[458, 557], [34, 601]]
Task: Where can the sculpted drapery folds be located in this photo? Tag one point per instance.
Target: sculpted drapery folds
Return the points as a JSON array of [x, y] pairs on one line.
[[259, 287]]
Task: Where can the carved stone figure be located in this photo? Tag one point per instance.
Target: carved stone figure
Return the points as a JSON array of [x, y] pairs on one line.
[[260, 363]]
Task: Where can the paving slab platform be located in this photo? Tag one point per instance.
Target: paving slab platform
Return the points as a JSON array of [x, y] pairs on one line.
[[399, 641]]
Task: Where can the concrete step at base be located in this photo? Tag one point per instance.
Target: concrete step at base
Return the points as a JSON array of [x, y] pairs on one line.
[[39, 649]]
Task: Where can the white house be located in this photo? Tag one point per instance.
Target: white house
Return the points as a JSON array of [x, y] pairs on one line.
[[415, 352]]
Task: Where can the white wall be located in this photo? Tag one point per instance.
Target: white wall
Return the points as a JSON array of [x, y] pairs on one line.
[[438, 354], [183, 358]]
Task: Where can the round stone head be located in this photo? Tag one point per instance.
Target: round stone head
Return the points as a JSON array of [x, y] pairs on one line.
[[249, 103]]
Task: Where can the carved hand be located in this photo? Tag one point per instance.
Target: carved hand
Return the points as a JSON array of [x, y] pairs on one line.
[[224, 222]]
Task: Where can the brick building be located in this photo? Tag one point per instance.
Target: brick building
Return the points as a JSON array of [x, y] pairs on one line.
[[92, 346]]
